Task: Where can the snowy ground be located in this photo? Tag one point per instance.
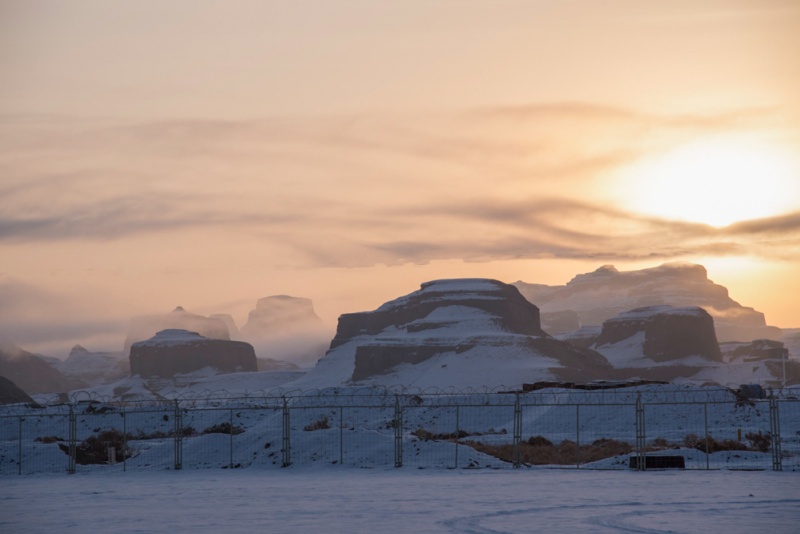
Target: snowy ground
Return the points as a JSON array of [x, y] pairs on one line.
[[388, 500]]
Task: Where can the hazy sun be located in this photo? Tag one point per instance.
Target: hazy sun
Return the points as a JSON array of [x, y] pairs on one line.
[[716, 181]]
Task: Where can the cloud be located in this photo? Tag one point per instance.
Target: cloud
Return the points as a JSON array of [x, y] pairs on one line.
[[357, 190]]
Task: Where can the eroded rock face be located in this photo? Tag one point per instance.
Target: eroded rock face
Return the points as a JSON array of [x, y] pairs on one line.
[[145, 327], [32, 373], [462, 333], [668, 333], [757, 350], [10, 393], [605, 293], [509, 312], [172, 352]]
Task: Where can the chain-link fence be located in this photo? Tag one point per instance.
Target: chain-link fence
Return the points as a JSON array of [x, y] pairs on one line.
[[705, 428]]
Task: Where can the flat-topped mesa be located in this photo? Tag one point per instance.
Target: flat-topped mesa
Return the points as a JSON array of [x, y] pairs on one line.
[[459, 333], [510, 311], [607, 292], [175, 351], [145, 327], [670, 333], [277, 313], [282, 327]]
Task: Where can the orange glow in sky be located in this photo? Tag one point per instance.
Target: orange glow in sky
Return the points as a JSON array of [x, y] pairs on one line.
[[193, 153]]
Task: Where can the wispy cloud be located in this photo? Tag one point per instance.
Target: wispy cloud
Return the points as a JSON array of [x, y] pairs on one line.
[[486, 183]]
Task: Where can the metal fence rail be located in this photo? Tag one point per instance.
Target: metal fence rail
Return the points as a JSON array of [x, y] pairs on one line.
[[710, 429]]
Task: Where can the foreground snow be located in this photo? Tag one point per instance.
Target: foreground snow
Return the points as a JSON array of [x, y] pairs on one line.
[[388, 500]]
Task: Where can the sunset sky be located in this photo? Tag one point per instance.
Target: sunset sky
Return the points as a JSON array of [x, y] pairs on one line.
[[209, 153]]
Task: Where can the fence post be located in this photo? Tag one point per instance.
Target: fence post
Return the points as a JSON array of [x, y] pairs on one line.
[[178, 436], [708, 440], [341, 435], [458, 433], [398, 432], [230, 443], [640, 433], [286, 436], [775, 432], [578, 434], [19, 466], [517, 432], [73, 430], [124, 440]]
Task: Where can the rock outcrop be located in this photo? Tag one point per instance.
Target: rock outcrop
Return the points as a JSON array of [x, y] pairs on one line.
[[462, 333], [10, 393], [174, 351], [755, 351], [287, 329], [598, 296], [660, 343], [93, 368], [147, 326], [668, 333], [31, 372]]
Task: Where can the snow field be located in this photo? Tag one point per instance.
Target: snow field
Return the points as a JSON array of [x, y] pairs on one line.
[[402, 500]]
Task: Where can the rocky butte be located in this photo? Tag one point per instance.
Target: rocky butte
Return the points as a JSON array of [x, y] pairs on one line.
[[282, 327], [174, 351], [592, 298], [146, 326], [32, 373], [460, 332]]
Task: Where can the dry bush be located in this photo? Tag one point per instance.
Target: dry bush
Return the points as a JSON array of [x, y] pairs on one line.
[[320, 424], [426, 435], [710, 445], [224, 428], [94, 449], [538, 450], [49, 439], [759, 442]]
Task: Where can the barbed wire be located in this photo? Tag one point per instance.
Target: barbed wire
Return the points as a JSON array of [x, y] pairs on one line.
[[389, 396]]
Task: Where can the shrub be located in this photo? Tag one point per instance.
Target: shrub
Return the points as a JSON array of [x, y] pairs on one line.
[[544, 452], [709, 444], [94, 449], [224, 428], [320, 424], [48, 439], [539, 441], [426, 435], [760, 442]]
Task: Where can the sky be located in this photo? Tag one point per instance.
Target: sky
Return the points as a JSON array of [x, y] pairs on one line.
[[209, 153]]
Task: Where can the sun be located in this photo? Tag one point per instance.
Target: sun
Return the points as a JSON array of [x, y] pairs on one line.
[[716, 181]]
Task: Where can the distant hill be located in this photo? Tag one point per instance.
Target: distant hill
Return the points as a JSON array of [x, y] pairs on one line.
[[32, 373], [461, 333], [592, 298]]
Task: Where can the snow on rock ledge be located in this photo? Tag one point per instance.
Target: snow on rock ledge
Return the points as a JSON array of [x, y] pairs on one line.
[[461, 333], [656, 335]]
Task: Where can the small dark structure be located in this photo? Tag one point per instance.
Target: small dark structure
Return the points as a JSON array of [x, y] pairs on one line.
[[658, 462]]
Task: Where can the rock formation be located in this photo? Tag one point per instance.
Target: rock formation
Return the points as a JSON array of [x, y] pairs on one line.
[[607, 292], [660, 342], [145, 327], [93, 368], [31, 372], [174, 351], [287, 329], [668, 333], [10, 393], [462, 333]]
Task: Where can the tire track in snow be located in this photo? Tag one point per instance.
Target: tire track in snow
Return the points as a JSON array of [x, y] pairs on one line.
[[681, 514]]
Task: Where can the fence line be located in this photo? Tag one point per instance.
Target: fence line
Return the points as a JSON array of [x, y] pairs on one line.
[[638, 429]]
